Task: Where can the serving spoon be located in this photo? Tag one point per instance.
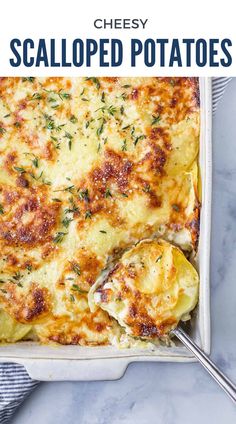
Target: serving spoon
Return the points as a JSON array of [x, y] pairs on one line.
[[224, 382], [155, 248]]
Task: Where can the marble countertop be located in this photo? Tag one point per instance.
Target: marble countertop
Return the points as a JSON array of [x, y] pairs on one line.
[[163, 393]]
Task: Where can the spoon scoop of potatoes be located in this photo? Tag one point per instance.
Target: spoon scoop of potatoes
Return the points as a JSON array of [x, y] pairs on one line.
[[149, 290]]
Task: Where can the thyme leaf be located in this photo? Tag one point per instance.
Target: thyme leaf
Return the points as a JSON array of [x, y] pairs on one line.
[[94, 80], [58, 238]]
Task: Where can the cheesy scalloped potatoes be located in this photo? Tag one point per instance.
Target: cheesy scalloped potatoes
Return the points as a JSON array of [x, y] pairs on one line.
[[149, 290], [88, 168]]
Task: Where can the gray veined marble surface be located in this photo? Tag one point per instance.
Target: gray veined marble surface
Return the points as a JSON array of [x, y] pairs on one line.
[[163, 393]]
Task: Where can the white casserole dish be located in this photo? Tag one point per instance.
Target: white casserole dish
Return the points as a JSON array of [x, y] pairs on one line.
[[50, 363]]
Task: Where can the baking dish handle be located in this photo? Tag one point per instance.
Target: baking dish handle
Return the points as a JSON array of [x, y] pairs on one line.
[[73, 370]]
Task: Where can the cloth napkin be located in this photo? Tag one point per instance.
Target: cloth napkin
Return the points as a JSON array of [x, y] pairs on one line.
[[15, 383], [218, 88], [15, 386]]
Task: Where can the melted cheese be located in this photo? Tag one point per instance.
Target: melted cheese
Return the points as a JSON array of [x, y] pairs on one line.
[[87, 168]]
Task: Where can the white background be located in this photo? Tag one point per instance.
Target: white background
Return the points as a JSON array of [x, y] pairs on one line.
[[74, 19]]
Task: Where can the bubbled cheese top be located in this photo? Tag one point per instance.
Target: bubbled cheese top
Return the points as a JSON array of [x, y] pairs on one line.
[[88, 167]]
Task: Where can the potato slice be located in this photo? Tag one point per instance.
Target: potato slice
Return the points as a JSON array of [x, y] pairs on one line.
[[184, 145], [149, 290], [10, 330]]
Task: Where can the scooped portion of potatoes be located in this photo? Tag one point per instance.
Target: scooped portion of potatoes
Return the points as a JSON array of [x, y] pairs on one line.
[[151, 288], [10, 330]]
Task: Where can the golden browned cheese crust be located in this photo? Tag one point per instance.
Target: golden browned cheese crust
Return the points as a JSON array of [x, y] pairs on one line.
[[89, 166]]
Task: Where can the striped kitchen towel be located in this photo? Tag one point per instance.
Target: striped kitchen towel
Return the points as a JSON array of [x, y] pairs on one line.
[[15, 383], [218, 88]]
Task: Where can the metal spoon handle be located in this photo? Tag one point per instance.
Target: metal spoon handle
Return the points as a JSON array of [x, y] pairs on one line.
[[219, 377]]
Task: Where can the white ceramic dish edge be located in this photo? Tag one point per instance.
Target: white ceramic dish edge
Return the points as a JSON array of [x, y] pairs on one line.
[[108, 363]]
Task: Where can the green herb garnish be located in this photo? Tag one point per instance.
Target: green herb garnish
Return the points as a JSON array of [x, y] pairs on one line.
[[76, 269], [140, 137], [70, 138], [38, 177], [101, 128], [36, 96], [35, 162], [147, 188], [19, 169], [70, 189], [66, 222], [46, 182], [155, 119], [124, 146], [59, 237], [29, 267], [64, 95], [123, 96], [73, 207], [49, 123], [88, 214], [111, 110], [84, 195], [2, 130], [17, 277], [73, 119], [59, 127], [108, 193], [29, 79], [175, 207], [75, 287], [56, 143], [94, 80]]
